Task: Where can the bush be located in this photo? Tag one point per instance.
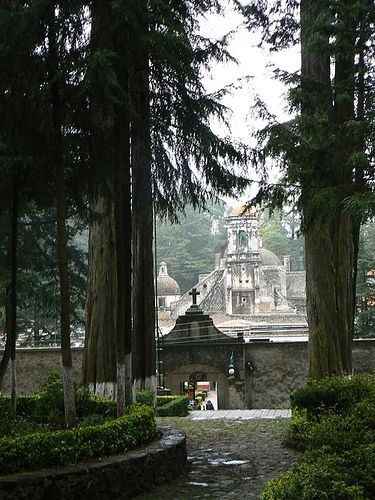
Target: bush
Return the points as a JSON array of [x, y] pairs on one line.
[[145, 397], [87, 405], [298, 431], [178, 407], [334, 432], [334, 422], [333, 395], [348, 475], [163, 400], [58, 448], [46, 407], [326, 478]]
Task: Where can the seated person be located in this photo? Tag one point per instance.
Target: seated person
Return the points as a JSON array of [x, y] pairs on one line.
[[209, 405]]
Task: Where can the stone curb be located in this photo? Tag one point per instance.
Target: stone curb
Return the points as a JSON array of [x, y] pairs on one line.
[[118, 477]]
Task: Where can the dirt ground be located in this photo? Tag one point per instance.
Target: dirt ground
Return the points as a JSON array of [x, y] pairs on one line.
[[227, 459]]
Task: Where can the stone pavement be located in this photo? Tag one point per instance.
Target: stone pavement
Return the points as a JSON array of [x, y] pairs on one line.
[[239, 414], [228, 459]]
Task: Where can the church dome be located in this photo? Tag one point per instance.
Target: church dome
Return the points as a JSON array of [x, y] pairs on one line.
[[268, 258], [165, 284], [243, 210]]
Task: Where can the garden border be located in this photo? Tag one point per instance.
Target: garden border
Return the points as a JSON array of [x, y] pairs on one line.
[[121, 476]]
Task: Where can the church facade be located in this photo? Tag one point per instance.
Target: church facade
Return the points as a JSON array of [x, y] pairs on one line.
[[249, 281]]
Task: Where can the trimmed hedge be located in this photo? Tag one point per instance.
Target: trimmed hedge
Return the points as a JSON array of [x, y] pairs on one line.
[[145, 397], [325, 478], [333, 394], [163, 400], [337, 433], [57, 448], [177, 407], [37, 409]]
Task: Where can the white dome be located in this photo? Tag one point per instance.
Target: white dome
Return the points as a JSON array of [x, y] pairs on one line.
[[165, 284]]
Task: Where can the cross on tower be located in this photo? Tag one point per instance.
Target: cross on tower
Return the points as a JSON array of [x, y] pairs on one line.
[[194, 293]]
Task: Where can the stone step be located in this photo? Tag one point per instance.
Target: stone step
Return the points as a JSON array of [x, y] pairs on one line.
[[240, 414]]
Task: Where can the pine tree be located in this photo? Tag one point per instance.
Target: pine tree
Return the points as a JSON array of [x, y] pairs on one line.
[[176, 158], [108, 346], [43, 36], [324, 162]]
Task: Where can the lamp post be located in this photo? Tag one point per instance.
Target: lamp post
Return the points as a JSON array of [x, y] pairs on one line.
[[231, 369]]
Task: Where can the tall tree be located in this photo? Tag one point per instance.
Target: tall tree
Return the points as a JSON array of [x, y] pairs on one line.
[[328, 233], [175, 156], [321, 158], [57, 156], [12, 322], [144, 368], [108, 305]]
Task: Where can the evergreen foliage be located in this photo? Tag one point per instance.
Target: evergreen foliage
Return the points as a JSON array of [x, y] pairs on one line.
[[280, 234], [333, 423], [325, 154], [189, 247], [365, 318], [58, 448]]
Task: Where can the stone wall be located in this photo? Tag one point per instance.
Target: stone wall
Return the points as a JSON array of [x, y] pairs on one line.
[[281, 367], [278, 368], [267, 372], [34, 365], [120, 477]]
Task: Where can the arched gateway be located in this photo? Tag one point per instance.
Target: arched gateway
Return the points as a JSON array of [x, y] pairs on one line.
[[196, 351]]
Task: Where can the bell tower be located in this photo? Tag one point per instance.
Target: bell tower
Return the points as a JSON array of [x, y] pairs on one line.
[[243, 260]]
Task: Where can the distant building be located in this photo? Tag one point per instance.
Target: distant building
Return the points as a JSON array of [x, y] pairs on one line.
[[249, 281], [168, 290]]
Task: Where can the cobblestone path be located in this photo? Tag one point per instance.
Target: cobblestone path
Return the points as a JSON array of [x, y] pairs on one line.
[[229, 458]]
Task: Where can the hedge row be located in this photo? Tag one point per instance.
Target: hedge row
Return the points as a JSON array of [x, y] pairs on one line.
[[335, 428], [177, 407], [40, 450], [333, 394], [38, 409], [163, 400]]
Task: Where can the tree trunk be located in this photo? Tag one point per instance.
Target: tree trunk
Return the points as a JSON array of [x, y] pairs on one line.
[[62, 239], [123, 265], [328, 232], [6, 354], [329, 254], [100, 352], [107, 366], [359, 176], [13, 293], [144, 369]]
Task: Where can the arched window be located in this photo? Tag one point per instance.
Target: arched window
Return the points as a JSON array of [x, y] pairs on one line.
[[243, 240]]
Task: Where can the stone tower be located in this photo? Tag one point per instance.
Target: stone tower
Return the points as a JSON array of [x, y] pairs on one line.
[[242, 261]]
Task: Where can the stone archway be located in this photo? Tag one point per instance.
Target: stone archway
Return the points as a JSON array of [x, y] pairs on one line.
[[175, 378]]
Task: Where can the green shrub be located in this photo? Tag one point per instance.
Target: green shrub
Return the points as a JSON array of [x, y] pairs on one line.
[[44, 408], [298, 431], [39, 450], [87, 405], [334, 422], [361, 463], [163, 400], [145, 397], [325, 478], [334, 432], [333, 395], [178, 407]]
